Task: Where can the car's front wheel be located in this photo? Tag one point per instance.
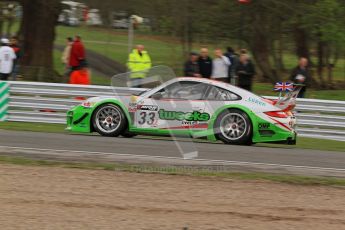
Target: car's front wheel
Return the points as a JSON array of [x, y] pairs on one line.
[[109, 120], [233, 126]]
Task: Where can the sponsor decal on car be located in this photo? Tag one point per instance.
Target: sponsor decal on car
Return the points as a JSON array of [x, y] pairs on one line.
[[148, 107], [256, 101], [263, 126], [180, 116], [189, 122], [132, 106]]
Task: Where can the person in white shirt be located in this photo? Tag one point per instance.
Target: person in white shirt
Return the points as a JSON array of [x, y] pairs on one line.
[[7, 57], [220, 67]]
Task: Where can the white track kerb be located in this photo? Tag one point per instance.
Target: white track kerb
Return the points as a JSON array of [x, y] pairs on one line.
[[4, 97]]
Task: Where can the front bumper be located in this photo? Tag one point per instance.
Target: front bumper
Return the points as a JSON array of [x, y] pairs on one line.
[[79, 119]]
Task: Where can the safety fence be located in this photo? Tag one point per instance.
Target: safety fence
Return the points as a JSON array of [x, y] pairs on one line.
[[48, 103]]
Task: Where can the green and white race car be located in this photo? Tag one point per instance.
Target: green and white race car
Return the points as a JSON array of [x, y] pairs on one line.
[[196, 107]]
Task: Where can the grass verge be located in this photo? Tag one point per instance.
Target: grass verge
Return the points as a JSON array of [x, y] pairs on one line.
[[175, 170], [33, 127], [302, 142]]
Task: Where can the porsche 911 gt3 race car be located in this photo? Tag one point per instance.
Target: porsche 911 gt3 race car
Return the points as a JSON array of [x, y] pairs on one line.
[[195, 107]]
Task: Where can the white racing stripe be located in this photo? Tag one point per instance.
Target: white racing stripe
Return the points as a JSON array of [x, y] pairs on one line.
[[220, 162]]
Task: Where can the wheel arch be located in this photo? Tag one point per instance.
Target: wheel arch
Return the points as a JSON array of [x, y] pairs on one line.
[[114, 102], [220, 110]]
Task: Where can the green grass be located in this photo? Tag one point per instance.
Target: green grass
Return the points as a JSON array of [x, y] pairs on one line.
[[33, 127], [302, 143], [114, 44], [176, 170], [311, 143], [60, 68]]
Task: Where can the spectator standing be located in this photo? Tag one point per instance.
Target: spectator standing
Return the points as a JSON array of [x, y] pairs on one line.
[[67, 52], [233, 57], [77, 54], [80, 76], [7, 58], [138, 61], [245, 72], [191, 67], [205, 63], [220, 66], [301, 75], [18, 51]]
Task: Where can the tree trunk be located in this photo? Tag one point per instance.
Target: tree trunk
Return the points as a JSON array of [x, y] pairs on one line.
[[9, 26], [38, 31], [301, 41], [280, 48], [320, 63], [330, 67], [260, 46], [1, 19]]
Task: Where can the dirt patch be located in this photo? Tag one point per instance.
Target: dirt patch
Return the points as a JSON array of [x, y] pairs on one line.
[[60, 198]]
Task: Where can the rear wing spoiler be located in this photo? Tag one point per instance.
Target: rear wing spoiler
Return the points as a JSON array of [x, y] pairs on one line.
[[288, 101]]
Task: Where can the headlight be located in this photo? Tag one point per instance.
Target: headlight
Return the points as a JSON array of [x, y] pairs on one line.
[[87, 104]]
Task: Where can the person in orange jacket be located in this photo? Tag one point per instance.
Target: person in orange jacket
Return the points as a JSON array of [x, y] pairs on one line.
[[80, 76]]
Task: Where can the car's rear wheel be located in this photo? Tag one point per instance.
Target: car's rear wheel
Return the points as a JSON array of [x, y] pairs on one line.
[[233, 126], [109, 120]]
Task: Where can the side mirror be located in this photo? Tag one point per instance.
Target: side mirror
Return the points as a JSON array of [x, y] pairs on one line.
[[157, 96]]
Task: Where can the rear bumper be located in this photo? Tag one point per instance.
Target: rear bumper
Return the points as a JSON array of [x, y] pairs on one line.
[[274, 130], [281, 136]]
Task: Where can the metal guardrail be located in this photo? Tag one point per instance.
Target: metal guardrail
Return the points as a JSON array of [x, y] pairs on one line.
[[34, 102]]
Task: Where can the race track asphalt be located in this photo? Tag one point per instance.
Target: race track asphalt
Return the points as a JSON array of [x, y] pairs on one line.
[[166, 148]]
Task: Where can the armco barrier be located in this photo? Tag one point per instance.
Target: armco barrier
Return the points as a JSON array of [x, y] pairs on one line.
[[33, 102]]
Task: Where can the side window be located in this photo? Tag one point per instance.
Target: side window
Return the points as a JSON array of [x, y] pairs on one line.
[[187, 90], [219, 94]]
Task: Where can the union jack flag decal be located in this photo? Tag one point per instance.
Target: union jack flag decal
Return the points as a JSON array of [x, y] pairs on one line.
[[284, 87]]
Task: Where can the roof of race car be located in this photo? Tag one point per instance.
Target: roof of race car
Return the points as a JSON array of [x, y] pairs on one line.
[[224, 85]]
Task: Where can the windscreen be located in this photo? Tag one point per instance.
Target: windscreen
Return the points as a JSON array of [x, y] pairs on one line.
[[140, 81]]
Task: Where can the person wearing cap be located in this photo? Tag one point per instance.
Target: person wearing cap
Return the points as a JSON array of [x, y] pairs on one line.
[[7, 58], [80, 76], [191, 67]]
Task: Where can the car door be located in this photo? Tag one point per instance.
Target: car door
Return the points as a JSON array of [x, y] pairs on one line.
[[178, 106]]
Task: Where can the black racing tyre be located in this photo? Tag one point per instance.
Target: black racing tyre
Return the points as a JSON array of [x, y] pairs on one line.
[[109, 120], [233, 126], [128, 134], [292, 142]]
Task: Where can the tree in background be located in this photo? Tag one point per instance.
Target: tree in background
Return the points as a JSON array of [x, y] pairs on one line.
[[270, 29], [325, 22], [38, 33]]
